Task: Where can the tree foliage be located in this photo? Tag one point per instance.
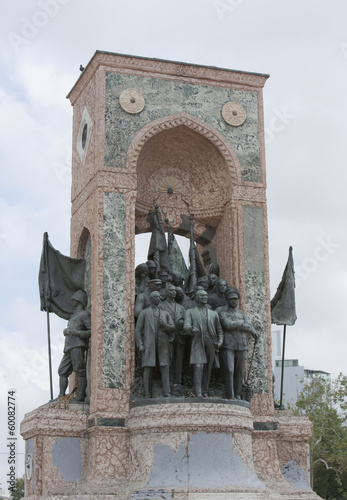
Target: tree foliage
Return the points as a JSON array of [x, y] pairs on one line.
[[325, 403], [17, 491]]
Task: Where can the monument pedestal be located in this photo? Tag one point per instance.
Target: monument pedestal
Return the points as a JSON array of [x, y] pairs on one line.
[[187, 450]]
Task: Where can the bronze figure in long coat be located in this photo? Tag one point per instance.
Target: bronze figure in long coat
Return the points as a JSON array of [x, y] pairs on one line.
[[154, 332], [176, 312], [207, 336]]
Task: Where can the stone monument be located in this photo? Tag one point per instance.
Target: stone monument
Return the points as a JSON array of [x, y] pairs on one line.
[[189, 139]]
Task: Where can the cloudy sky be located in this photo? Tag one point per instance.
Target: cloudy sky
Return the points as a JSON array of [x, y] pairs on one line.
[[301, 44]]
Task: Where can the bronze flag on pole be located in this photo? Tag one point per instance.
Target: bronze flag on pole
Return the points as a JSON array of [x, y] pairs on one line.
[[196, 269], [59, 278], [158, 251], [283, 303], [176, 259], [283, 308]]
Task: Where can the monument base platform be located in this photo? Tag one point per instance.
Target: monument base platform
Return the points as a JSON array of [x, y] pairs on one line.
[[187, 451]]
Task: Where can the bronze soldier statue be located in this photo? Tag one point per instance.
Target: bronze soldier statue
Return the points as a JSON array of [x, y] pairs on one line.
[[217, 297], [77, 336], [235, 325], [141, 278]]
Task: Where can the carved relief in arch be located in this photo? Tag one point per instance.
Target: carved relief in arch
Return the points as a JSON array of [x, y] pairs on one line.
[[185, 167], [193, 123]]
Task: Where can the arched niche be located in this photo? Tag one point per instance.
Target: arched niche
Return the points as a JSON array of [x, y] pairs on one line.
[[184, 166], [85, 252]]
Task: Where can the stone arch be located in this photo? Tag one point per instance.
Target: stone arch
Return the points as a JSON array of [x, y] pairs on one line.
[[186, 167], [85, 252], [189, 121], [83, 242]]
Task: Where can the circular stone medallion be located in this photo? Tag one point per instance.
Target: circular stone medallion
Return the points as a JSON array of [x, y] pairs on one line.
[[234, 114], [132, 101]]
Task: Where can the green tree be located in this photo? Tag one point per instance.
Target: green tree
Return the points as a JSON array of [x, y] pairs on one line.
[[325, 403], [17, 491]]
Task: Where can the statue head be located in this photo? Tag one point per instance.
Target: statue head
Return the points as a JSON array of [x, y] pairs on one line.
[[141, 270], [201, 297], [171, 291], [222, 286], [81, 297], [203, 282], [163, 275], [154, 297], [179, 294], [212, 279], [154, 285], [232, 295], [214, 268], [152, 268]]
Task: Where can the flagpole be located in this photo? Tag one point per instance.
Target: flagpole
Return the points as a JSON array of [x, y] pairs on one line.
[[48, 299], [169, 236], [282, 367], [49, 355], [283, 307], [192, 252], [160, 220]]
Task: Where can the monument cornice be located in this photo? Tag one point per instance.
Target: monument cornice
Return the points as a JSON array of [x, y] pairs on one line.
[[173, 70]]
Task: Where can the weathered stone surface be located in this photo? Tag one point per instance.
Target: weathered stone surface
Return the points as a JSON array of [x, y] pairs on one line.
[[189, 450], [66, 455], [205, 461], [30, 451], [163, 98], [255, 293], [114, 291], [295, 475]]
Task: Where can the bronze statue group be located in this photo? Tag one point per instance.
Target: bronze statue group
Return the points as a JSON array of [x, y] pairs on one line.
[[181, 322], [207, 322]]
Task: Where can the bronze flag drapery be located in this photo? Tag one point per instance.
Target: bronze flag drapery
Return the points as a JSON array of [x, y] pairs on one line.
[[196, 269], [158, 251], [176, 259], [59, 278], [283, 310]]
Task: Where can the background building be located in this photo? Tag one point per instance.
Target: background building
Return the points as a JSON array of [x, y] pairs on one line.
[[295, 375]]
